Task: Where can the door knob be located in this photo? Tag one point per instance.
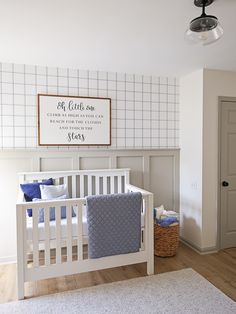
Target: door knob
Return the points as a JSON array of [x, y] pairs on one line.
[[225, 183]]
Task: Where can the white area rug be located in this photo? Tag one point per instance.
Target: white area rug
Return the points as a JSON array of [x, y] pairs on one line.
[[183, 291]]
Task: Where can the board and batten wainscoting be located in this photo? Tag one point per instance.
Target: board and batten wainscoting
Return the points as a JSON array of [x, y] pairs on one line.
[[153, 170]]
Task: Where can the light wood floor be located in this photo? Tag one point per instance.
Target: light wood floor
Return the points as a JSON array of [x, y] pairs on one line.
[[218, 268]]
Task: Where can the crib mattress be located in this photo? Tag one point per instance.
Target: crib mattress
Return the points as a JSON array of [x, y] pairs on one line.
[[41, 228]]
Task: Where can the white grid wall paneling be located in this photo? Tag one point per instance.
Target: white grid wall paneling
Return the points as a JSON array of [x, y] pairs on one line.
[[145, 109]]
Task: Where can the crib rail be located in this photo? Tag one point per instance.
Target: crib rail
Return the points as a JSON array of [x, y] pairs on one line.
[[58, 243], [58, 174], [132, 188], [148, 238], [81, 183], [54, 206]]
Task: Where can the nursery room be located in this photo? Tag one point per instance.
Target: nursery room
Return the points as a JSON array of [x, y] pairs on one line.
[[118, 156]]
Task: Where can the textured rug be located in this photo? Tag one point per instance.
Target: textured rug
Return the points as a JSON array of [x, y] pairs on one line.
[[183, 291]]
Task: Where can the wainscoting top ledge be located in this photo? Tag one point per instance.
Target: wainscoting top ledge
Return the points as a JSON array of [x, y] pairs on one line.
[[84, 150]]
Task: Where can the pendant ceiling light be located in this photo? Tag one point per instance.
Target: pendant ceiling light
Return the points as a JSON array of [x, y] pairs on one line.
[[204, 29]]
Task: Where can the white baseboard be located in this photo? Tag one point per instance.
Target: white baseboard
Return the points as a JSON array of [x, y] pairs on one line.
[[199, 250], [7, 259]]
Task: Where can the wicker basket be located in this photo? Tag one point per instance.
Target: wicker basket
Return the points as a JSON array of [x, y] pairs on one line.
[[166, 240]]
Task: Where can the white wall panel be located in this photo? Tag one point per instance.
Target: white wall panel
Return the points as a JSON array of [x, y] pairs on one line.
[[9, 167], [94, 163], [162, 178], [135, 163], [53, 164], [151, 169]]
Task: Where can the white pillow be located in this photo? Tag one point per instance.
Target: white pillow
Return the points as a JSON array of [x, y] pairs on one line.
[[49, 192]]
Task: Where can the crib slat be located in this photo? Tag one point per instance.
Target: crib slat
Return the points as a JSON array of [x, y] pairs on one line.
[[69, 233], [73, 186], [24, 223], [58, 234], [97, 190], [142, 239], [80, 231], [112, 184], [35, 237], [57, 181], [145, 233], [65, 181], [119, 178], [89, 185], [21, 249], [47, 235], [81, 179], [104, 185]]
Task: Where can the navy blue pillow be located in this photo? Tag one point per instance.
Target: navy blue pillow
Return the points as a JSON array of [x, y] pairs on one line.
[[32, 190]]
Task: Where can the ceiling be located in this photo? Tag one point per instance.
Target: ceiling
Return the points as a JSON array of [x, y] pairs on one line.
[[133, 36]]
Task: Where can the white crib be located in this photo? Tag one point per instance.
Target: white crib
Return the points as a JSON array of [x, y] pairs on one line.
[[57, 248]]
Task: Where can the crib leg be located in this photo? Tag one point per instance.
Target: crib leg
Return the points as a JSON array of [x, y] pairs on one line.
[[150, 260], [150, 266], [150, 240], [20, 288], [20, 280], [20, 251]]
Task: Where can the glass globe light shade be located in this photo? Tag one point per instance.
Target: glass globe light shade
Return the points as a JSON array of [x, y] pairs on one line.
[[204, 30]]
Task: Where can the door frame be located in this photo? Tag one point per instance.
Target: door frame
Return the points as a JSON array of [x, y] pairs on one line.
[[221, 99]]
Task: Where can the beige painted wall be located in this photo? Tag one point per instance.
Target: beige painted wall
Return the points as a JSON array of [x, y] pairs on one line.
[[216, 83], [199, 96], [191, 120]]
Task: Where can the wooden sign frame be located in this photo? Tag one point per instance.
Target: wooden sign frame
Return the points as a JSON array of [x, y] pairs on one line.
[[73, 120]]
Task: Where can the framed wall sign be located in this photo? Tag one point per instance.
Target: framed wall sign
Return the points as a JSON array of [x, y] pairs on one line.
[[73, 120]]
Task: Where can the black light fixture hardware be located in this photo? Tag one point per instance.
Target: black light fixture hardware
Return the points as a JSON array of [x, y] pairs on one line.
[[199, 3], [204, 29]]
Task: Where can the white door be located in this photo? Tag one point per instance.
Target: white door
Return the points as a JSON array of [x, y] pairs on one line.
[[228, 174]]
